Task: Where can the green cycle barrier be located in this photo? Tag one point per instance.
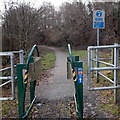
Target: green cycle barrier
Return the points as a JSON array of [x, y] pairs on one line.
[[77, 74], [32, 67]]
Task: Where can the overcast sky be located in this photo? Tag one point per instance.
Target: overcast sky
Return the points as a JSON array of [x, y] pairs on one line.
[[56, 3]]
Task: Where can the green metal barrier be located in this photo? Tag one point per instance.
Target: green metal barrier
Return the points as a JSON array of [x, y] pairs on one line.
[[77, 74], [22, 81]]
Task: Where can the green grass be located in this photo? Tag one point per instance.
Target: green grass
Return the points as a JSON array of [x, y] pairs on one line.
[[48, 61], [81, 53], [48, 58], [83, 57]]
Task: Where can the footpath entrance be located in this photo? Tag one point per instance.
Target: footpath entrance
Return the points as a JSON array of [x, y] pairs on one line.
[[29, 72]]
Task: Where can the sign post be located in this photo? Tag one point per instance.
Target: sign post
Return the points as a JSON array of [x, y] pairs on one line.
[[98, 23], [77, 74]]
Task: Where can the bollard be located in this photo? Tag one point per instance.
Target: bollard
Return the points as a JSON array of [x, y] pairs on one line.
[[69, 72]]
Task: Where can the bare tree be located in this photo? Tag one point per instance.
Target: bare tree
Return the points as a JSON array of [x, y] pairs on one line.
[[20, 26], [24, 25]]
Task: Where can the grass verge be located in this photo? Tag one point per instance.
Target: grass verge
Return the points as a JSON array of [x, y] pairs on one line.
[[48, 58], [83, 57], [48, 61], [81, 53]]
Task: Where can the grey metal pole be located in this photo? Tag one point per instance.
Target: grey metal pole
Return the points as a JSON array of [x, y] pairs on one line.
[[118, 83], [104, 47], [89, 67], [97, 56], [105, 68], [98, 41], [116, 60], [21, 56], [12, 76], [92, 61], [104, 88]]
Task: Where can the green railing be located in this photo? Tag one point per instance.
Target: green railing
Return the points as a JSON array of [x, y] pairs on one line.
[[77, 74], [22, 80]]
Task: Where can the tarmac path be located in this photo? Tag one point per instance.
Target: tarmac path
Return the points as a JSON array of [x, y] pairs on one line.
[[58, 86]]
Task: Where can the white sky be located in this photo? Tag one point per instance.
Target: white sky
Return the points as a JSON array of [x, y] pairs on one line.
[[56, 3], [36, 3]]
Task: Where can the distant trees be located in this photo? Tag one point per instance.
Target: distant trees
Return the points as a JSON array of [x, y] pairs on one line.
[[73, 23], [19, 27], [24, 25], [77, 23]]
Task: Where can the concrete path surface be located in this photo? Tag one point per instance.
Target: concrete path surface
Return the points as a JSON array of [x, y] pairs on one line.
[[57, 86]]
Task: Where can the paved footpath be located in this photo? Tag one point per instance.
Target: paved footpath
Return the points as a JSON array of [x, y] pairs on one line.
[[58, 86]]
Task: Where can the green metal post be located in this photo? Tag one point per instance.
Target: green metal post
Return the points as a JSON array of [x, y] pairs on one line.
[[32, 84], [31, 54], [77, 66], [21, 90], [79, 87], [23, 115]]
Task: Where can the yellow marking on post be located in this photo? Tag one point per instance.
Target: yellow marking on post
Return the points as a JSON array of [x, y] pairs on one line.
[[73, 74], [75, 80], [26, 77], [25, 82]]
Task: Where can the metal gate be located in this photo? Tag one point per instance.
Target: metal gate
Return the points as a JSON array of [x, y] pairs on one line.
[[28, 74], [12, 77], [94, 57]]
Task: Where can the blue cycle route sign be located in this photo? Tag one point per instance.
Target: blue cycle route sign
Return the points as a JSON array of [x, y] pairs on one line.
[[98, 19], [80, 75]]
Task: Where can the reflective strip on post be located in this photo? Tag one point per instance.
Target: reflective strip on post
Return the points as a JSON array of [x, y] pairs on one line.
[[26, 77], [74, 75]]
